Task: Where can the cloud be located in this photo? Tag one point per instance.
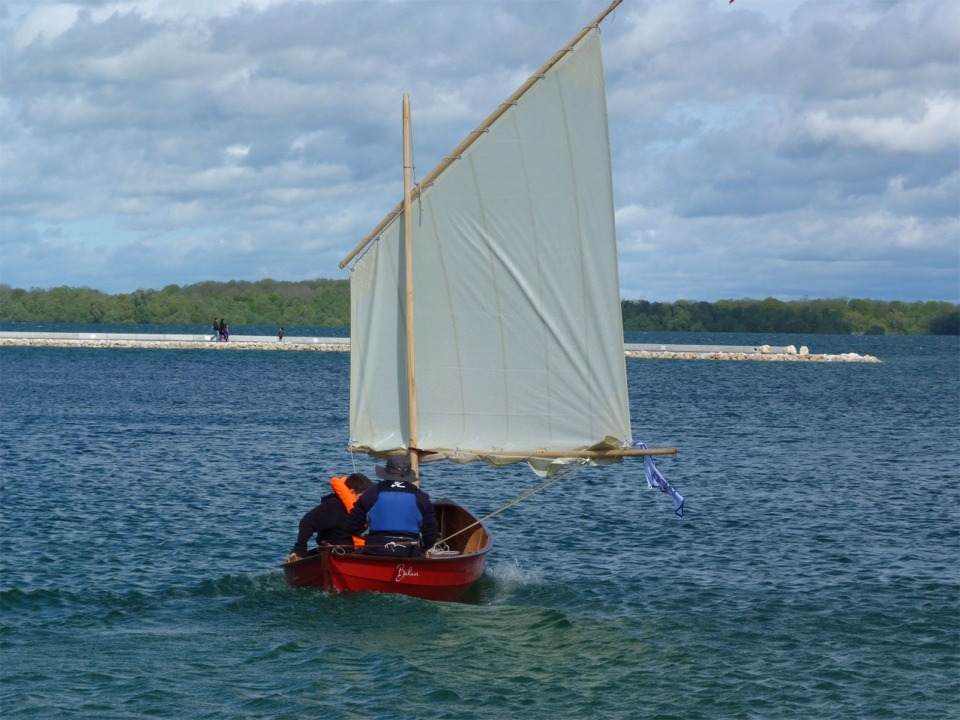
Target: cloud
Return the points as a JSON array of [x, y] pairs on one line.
[[763, 148], [933, 128]]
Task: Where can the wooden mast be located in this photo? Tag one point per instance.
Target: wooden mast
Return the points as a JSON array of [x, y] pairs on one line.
[[408, 294], [468, 141]]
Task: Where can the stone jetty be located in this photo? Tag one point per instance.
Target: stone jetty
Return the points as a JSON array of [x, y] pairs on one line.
[[763, 353], [172, 342]]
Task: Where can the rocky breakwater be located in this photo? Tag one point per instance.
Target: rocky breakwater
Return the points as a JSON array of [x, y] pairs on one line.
[[764, 353], [178, 344], [202, 342]]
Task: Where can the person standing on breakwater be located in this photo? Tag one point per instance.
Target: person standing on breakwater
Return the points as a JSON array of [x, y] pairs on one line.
[[216, 330], [224, 330], [280, 335]]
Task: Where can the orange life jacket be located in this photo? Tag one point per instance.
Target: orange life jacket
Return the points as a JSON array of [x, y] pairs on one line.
[[339, 485]]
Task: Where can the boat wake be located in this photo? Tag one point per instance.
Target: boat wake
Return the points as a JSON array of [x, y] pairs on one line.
[[510, 574]]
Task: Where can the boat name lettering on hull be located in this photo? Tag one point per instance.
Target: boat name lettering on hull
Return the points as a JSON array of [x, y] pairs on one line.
[[404, 572]]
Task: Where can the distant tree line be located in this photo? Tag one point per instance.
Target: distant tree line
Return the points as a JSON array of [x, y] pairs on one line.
[[326, 303], [318, 303], [837, 316]]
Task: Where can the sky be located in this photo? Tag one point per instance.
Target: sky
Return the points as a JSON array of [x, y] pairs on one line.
[[761, 148]]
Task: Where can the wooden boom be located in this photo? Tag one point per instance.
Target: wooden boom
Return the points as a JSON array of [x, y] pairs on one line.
[[547, 454]]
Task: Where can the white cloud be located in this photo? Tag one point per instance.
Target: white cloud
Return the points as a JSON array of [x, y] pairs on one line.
[[760, 148], [936, 127], [42, 23]]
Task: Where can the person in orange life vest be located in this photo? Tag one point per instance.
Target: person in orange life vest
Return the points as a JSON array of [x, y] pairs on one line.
[[349, 497], [399, 515], [327, 520]]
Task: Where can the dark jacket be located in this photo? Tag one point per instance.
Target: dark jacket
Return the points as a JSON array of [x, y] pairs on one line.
[[327, 521], [394, 508]]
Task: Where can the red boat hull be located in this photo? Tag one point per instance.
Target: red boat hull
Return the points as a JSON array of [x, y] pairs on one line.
[[338, 569]]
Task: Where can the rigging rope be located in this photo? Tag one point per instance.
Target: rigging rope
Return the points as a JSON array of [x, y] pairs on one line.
[[560, 474]]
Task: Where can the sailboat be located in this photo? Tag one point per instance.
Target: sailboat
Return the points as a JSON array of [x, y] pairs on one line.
[[485, 316]]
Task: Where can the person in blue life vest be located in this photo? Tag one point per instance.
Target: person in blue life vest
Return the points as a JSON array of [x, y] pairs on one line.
[[399, 515]]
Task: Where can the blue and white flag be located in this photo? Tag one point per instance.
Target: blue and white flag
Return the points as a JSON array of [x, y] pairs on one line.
[[655, 479]]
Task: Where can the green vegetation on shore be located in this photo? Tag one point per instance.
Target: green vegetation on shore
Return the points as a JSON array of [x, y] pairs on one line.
[[326, 303], [316, 303], [839, 316]]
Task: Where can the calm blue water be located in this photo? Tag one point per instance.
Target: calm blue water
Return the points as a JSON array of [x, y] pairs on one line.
[[148, 495]]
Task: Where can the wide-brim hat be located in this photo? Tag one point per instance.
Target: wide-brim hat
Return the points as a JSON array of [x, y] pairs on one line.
[[398, 467]]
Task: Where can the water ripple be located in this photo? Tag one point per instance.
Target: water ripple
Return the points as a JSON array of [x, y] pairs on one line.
[[148, 497]]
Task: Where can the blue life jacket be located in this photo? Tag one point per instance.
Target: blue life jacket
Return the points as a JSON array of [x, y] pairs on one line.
[[395, 510]]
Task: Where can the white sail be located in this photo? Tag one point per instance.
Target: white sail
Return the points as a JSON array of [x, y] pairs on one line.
[[519, 338]]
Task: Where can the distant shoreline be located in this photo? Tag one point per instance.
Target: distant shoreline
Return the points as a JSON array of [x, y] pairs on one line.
[[763, 353], [317, 303]]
